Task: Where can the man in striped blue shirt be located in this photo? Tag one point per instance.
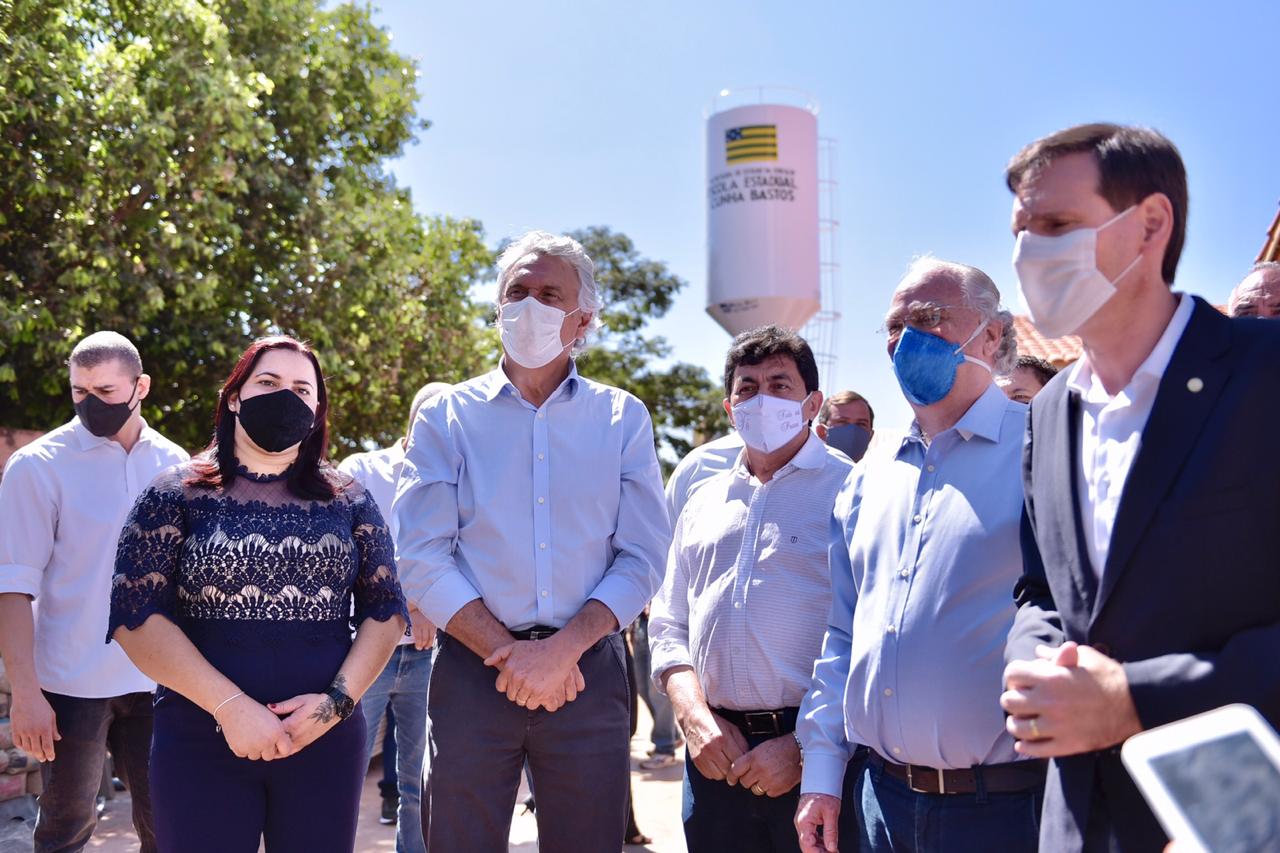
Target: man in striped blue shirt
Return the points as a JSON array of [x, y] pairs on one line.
[[738, 621]]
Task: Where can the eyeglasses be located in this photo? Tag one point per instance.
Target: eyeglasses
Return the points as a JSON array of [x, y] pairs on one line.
[[925, 316]]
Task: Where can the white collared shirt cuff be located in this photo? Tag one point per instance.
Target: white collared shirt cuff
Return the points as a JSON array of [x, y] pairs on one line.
[[446, 597], [15, 577], [665, 657], [823, 773], [619, 595]]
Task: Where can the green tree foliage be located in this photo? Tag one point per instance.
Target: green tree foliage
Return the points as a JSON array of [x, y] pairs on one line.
[[196, 173], [684, 401]]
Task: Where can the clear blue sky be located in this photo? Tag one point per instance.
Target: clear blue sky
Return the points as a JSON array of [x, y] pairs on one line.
[[564, 114]]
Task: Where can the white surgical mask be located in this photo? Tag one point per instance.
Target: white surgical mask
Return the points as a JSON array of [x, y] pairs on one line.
[[768, 423], [1059, 278], [531, 332]]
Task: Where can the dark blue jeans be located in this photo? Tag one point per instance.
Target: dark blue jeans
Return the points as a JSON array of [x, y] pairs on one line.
[[895, 818], [729, 818]]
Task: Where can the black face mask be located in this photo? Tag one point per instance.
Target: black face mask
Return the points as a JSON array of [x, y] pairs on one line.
[[276, 421], [105, 419]]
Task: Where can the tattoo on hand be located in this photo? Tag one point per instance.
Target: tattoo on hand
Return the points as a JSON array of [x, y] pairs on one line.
[[325, 711]]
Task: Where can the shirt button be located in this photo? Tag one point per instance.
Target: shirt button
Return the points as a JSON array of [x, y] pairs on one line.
[[904, 573], [541, 456], [917, 519], [542, 415], [542, 500], [545, 593], [930, 468], [542, 546], [888, 691], [891, 630], [897, 751]]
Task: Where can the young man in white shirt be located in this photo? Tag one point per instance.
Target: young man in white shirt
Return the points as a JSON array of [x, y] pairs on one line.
[[64, 499]]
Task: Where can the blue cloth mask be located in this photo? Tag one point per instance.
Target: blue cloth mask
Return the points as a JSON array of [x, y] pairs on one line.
[[849, 439], [926, 364]]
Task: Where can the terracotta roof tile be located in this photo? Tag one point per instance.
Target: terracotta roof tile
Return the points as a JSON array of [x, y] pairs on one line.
[[1057, 351]]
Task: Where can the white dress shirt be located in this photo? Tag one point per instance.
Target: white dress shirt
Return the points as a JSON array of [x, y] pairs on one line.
[[699, 465], [748, 589], [1111, 433], [534, 509], [378, 471], [63, 500]]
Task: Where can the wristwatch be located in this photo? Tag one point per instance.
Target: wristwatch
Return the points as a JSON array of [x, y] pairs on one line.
[[343, 705]]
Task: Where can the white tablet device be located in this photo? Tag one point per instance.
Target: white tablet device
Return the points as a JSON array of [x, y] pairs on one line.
[[1213, 780]]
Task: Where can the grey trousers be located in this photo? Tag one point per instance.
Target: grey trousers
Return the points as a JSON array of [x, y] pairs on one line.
[[479, 741]]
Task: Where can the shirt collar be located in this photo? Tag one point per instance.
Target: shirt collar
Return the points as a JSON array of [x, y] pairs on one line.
[[1084, 382], [811, 455], [496, 380], [984, 418]]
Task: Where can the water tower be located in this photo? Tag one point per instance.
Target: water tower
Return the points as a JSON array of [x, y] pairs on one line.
[[763, 262]]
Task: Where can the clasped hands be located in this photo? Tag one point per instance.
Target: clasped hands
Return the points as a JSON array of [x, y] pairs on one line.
[[1068, 700], [276, 730], [719, 751], [537, 673]]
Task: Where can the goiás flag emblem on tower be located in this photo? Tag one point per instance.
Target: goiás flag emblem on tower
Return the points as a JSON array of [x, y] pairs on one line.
[[750, 142]]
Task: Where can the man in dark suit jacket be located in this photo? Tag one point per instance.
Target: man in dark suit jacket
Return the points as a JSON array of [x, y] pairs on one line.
[[1152, 584]]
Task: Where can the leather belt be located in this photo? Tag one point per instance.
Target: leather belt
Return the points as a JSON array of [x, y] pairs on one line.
[[537, 632], [995, 778], [774, 723]]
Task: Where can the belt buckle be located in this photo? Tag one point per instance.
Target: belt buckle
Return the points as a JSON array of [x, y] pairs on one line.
[[754, 716], [942, 782]]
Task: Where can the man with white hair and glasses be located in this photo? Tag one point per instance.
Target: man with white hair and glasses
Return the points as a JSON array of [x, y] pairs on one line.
[[531, 526], [924, 551]]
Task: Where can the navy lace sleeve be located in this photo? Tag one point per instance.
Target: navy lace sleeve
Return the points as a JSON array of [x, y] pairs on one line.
[[377, 590], [147, 556]]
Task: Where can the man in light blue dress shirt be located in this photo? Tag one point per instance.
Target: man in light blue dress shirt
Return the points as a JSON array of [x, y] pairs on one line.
[[531, 525], [924, 551]]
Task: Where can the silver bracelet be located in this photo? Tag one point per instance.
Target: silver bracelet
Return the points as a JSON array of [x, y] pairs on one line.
[[218, 726]]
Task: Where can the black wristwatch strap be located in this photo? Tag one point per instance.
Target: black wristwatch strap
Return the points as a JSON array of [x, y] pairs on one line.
[[343, 705]]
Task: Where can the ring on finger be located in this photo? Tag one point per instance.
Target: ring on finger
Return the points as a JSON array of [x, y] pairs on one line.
[[757, 790], [1035, 729]]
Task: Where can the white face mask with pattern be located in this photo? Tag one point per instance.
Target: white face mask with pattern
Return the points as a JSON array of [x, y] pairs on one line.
[[767, 423], [531, 332]]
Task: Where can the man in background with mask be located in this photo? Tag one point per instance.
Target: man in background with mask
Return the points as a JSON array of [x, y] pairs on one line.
[[1258, 294], [402, 684], [847, 423], [1147, 595], [737, 624], [64, 499], [530, 526], [924, 551]]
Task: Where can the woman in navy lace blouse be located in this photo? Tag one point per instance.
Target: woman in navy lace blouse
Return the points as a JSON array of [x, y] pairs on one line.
[[236, 578]]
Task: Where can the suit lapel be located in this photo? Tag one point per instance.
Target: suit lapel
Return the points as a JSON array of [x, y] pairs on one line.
[[1184, 401], [1062, 416]]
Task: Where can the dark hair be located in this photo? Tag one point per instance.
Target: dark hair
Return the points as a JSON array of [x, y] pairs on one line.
[[1043, 370], [101, 347], [756, 345], [1133, 162], [311, 477], [843, 398]]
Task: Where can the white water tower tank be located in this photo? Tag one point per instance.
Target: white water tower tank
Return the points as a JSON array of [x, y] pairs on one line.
[[762, 215]]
